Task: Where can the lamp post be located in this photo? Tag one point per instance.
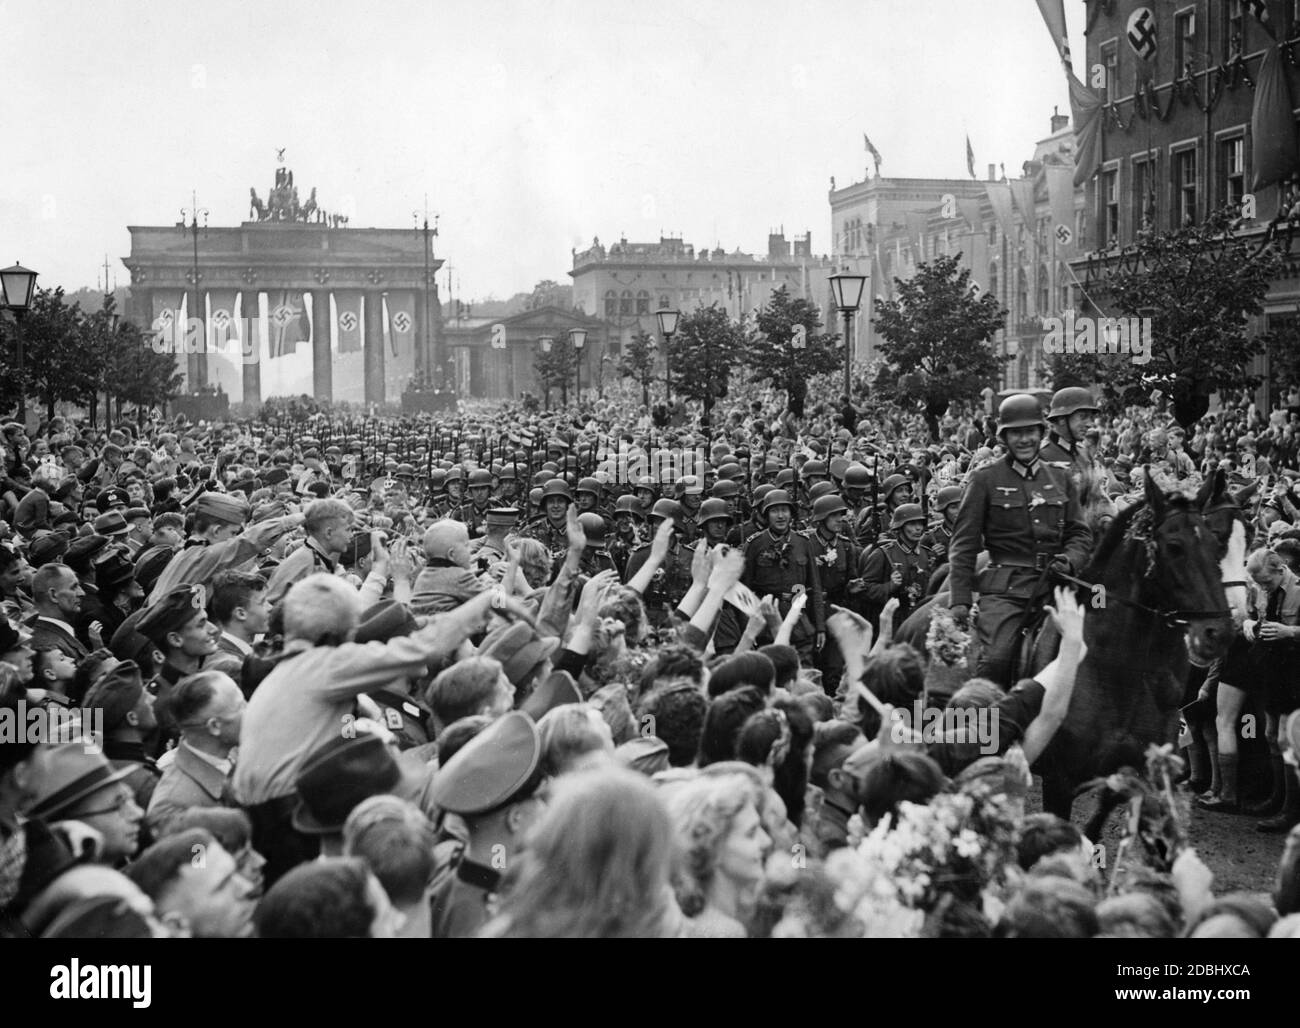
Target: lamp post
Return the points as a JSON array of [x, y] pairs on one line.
[[190, 223], [578, 337], [847, 290], [19, 284], [667, 318]]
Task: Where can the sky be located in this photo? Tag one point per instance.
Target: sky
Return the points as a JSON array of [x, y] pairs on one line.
[[532, 126]]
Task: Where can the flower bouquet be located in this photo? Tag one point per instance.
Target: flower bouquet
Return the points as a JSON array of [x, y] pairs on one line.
[[947, 645]]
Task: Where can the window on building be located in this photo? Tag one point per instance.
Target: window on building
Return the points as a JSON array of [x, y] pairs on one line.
[[1184, 39], [643, 302], [993, 280], [1143, 209], [993, 234], [625, 303], [663, 303], [1062, 286], [1234, 28], [1232, 170], [1184, 187], [1022, 298], [1110, 61], [1044, 290], [611, 304], [1110, 201]]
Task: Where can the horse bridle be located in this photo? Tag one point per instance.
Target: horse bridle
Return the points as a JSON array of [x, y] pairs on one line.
[[1175, 616]]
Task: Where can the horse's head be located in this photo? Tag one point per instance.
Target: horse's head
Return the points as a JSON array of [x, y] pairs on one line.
[[1185, 576], [1225, 516]]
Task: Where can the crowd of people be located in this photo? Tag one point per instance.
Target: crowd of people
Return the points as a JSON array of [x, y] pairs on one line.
[[603, 671]]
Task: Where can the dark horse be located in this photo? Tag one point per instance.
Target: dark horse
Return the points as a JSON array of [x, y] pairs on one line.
[[1163, 604]]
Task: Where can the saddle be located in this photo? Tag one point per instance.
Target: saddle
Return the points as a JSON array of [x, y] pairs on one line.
[[1036, 629]]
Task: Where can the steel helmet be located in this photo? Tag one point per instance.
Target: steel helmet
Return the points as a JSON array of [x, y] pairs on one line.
[[760, 492], [589, 485], [507, 473], [724, 489], [480, 477], [813, 469], [646, 482], [785, 477], [629, 504], [907, 512], [731, 470], [405, 471], [667, 508], [1070, 400], [857, 476], [838, 466], [820, 489], [535, 496], [894, 482], [947, 496], [1020, 411], [454, 475], [556, 487], [436, 478], [825, 506], [594, 527], [777, 498], [711, 510], [542, 477]]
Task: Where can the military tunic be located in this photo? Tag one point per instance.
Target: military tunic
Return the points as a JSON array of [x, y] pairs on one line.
[[937, 541], [784, 566], [464, 900], [1024, 517], [915, 563], [671, 581]]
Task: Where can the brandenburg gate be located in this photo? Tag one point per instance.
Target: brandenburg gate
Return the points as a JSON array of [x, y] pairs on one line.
[[293, 274]]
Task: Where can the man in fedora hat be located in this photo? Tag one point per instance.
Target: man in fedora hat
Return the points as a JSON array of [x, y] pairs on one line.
[[76, 782], [492, 783]]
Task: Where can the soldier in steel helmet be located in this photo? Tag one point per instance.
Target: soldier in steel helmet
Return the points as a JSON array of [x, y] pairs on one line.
[[672, 580], [936, 540], [780, 563], [1072, 414], [473, 512], [836, 556], [1026, 514], [899, 567], [551, 527]]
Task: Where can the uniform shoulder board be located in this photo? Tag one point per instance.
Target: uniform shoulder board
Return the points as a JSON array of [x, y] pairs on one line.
[[752, 535]]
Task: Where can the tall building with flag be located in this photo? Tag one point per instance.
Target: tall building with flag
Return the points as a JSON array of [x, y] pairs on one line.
[[1197, 111], [1002, 231]]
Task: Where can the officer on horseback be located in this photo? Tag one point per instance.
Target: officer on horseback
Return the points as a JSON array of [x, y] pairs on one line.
[[1026, 514]]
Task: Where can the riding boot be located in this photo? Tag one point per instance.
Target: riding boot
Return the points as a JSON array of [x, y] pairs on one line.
[[1289, 815], [1198, 761], [1272, 805], [1226, 801]]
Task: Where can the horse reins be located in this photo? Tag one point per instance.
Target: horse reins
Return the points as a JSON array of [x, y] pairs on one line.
[[1173, 617]]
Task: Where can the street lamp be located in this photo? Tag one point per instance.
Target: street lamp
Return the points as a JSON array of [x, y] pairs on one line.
[[578, 337], [847, 290], [18, 284], [667, 318]]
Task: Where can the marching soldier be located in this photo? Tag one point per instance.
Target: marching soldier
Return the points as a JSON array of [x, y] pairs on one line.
[[899, 567], [1026, 514], [714, 522], [629, 521], [595, 558], [780, 563], [837, 562], [473, 513], [551, 527], [938, 538], [586, 498], [756, 523], [859, 518], [673, 578], [690, 493], [894, 492]]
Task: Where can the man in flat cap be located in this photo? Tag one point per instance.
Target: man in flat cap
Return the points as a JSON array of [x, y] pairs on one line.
[[217, 543], [492, 783], [329, 530], [177, 624]]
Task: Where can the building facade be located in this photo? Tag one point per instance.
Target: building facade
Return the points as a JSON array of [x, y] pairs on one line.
[[1176, 140], [622, 285]]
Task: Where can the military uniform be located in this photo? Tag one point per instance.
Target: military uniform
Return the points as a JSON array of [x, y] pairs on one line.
[[671, 582], [596, 559], [784, 567], [915, 563], [621, 548], [937, 541], [1024, 517], [837, 563], [499, 767], [474, 518], [554, 537], [1072, 458]]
